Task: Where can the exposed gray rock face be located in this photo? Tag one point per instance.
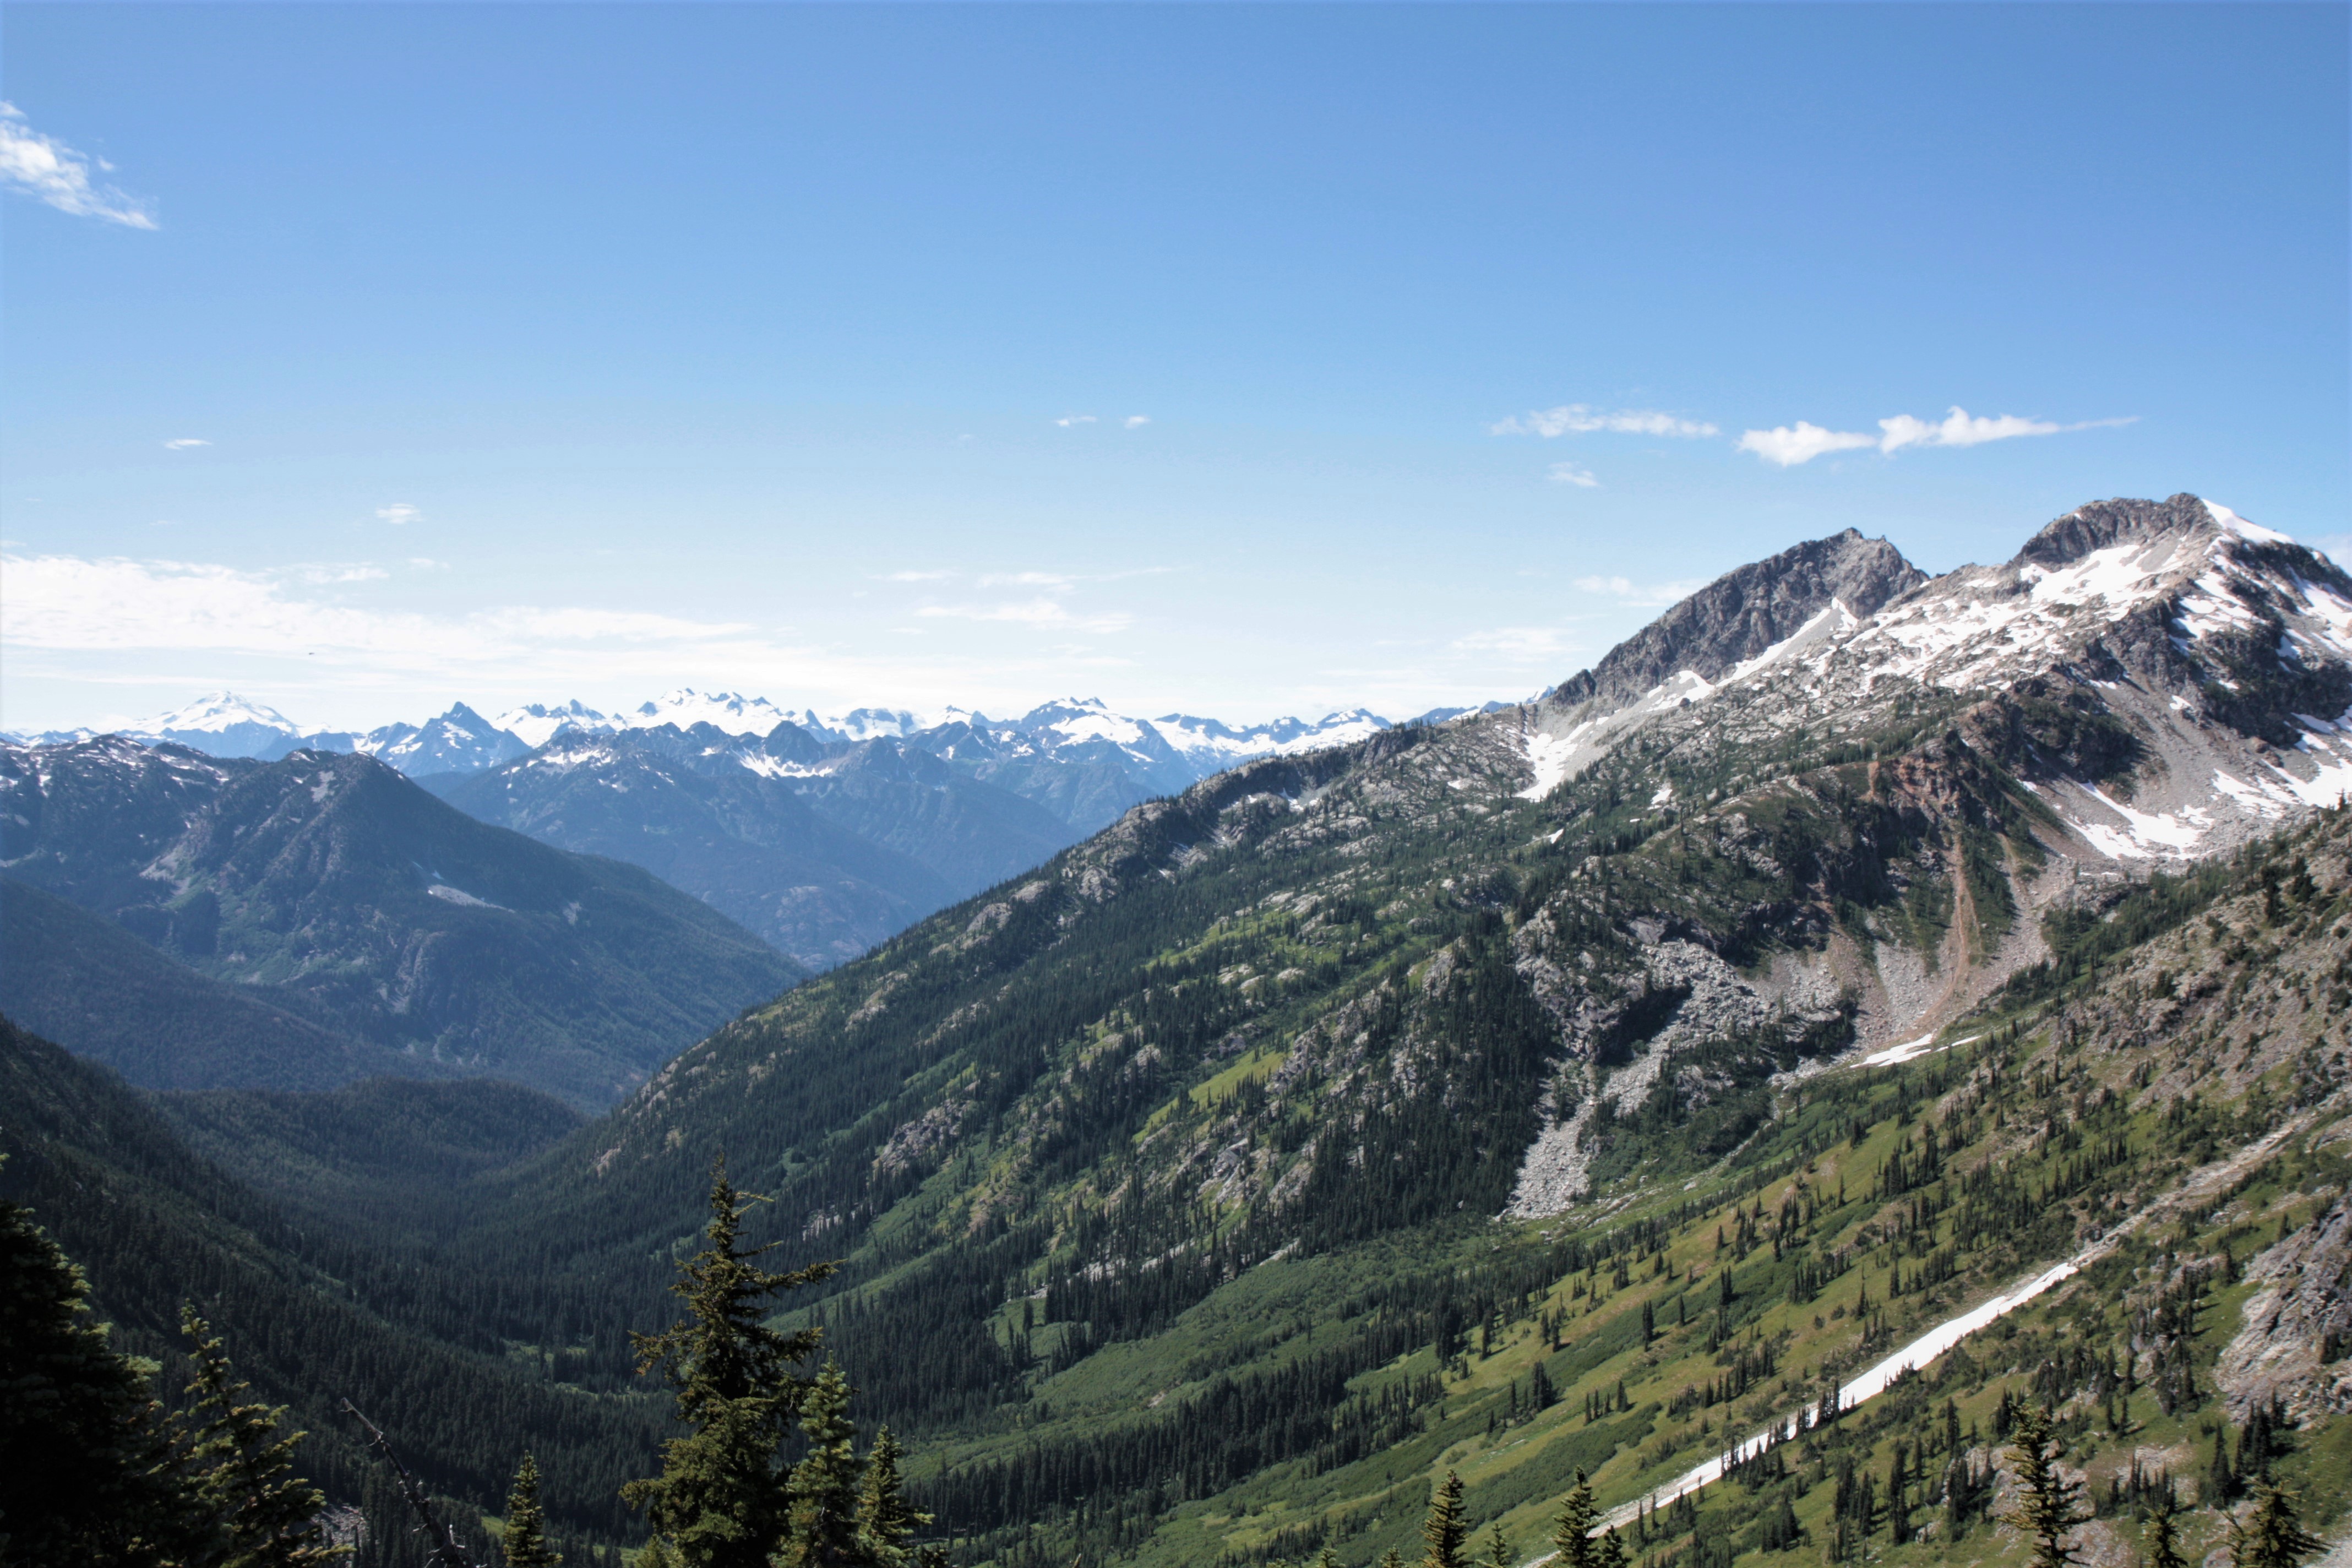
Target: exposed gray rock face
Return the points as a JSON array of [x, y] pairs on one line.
[[2300, 1313], [1743, 613]]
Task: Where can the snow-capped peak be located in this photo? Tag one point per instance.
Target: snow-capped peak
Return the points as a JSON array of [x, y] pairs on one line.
[[214, 713], [536, 724]]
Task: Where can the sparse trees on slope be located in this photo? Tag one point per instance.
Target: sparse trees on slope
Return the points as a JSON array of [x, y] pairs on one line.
[[243, 1470], [720, 1501], [2048, 1505]]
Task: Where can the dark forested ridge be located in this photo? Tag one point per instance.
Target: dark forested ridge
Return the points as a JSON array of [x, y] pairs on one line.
[[1357, 1121], [333, 888]]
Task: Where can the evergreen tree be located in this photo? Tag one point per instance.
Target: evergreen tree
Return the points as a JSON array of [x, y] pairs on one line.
[[1610, 1553], [243, 1471], [1391, 1558], [2048, 1504], [2274, 1536], [883, 1514], [824, 1530], [525, 1541], [1327, 1558], [2163, 1541], [719, 1501], [1571, 1532], [2221, 1478], [1444, 1530], [1498, 1551], [86, 1473]]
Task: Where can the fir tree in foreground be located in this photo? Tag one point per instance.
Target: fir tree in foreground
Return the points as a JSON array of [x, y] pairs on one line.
[[263, 1514], [2048, 1504], [1444, 1530], [823, 1485], [2164, 1540], [85, 1475], [2274, 1536], [720, 1501], [525, 1541], [884, 1514], [1571, 1532]]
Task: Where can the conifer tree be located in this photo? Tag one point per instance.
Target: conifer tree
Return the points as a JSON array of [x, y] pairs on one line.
[[1327, 1558], [1498, 1551], [525, 1541], [2163, 1541], [883, 1515], [1444, 1530], [1610, 1552], [1571, 1532], [2220, 1479], [2048, 1504], [719, 1501], [2274, 1536], [87, 1475], [1391, 1558], [824, 1530], [243, 1470]]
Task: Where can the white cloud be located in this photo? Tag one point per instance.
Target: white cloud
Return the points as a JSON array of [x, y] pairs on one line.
[[1137, 421], [1788, 445], [1957, 429], [183, 443], [397, 513], [51, 171], [354, 571], [1066, 420], [1801, 443], [1579, 418], [918, 576], [1570, 474]]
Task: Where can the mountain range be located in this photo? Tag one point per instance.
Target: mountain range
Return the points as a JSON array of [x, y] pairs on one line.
[[1860, 1006], [305, 922]]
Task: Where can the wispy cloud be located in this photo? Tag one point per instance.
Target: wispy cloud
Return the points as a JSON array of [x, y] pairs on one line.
[[1027, 580], [1957, 429], [918, 576], [1042, 613], [398, 512], [49, 170], [1136, 421], [1571, 474], [1634, 593], [326, 573], [64, 602], [1790, 445], [1068, 420], [183, 443], [1582, 418], [1519, 644]]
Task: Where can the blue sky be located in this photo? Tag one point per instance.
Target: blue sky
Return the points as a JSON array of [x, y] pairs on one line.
[[1231, 360]]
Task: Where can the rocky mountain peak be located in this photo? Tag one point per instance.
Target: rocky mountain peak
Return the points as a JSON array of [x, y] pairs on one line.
[[2103, 524], [1743, 613]]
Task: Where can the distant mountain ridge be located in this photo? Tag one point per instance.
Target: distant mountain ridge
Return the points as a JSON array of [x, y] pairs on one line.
[[1130, 759], [365, 925]]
